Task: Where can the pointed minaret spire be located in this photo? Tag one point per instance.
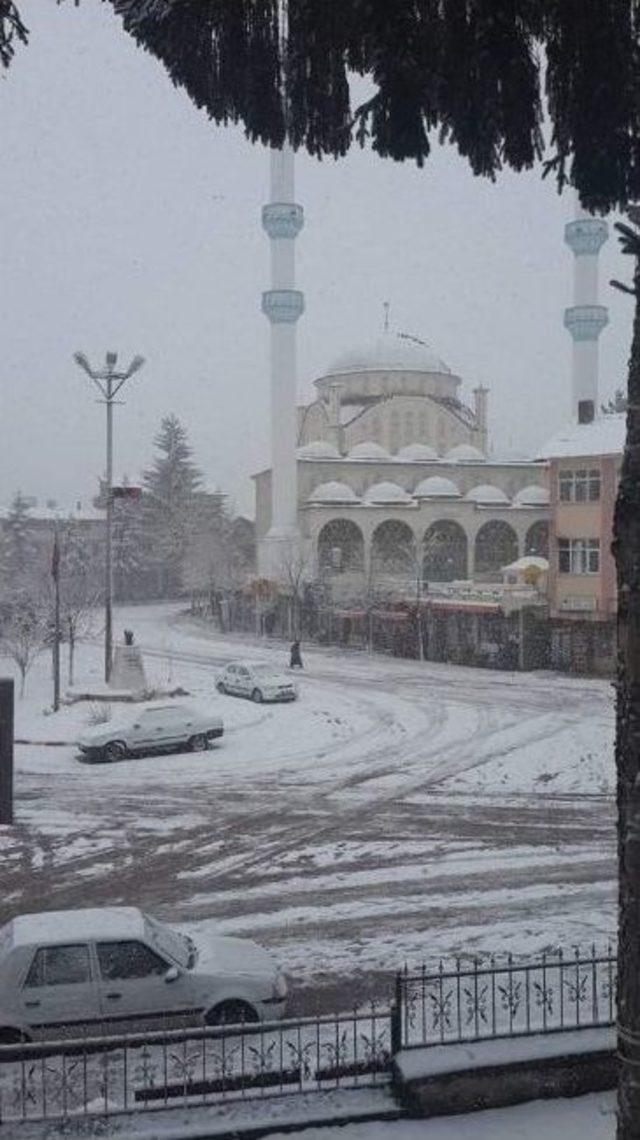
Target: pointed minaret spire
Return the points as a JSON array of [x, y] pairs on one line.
[[283, 304]]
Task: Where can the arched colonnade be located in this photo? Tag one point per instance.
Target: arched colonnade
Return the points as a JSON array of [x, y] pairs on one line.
[[446, 549]]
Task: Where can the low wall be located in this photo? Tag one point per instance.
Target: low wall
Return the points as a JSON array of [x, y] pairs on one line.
[[443, 1080]]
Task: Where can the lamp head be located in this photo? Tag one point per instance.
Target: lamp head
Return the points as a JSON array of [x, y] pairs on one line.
[[136, 365], [112, 358], [83, 363]]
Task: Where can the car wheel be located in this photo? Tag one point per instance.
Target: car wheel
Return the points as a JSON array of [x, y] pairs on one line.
[[221, 687], [232, 1012], [114, 750], [256, 696], [199, 743], [13, 1037]]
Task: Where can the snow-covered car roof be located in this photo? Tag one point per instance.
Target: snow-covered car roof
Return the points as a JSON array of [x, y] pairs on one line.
[[72, 925]]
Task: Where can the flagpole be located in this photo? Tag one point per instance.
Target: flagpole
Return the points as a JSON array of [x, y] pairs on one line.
[[55, 574]]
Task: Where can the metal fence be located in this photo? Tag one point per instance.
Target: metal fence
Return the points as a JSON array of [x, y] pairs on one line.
[[504, 998], [104, 1076]]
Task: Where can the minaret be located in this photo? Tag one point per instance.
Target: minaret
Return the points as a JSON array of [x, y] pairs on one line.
[[283, 304], [586, 319]]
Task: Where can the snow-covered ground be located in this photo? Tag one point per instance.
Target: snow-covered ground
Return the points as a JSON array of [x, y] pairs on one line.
[[585, 1118], [398, 811]]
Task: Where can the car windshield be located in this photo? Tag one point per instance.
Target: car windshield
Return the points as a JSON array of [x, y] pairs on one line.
[[165, 938], [264, 670]]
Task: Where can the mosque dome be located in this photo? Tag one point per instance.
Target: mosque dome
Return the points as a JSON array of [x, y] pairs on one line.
[[415, 452], [436, 487], [368, 450], [318, 449], [532, 496], [391, 352], [333, 492], [485, 494], [465, 453], [386, 492]]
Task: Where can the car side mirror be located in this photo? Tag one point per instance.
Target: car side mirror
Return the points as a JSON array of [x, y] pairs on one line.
[[172, 974]]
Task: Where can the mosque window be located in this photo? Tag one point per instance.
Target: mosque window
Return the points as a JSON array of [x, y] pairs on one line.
[[579, 486]]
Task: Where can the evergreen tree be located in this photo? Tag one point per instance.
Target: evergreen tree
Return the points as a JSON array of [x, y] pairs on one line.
[[171, 487], [18, 548]]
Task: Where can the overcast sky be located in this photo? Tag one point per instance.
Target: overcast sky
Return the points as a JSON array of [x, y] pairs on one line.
[[131, 223]]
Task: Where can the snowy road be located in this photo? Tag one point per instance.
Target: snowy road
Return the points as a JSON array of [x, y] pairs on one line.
[[397, 811]]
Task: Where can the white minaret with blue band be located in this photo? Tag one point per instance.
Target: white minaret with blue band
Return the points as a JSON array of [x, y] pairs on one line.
[[283, 304], [586, 319]]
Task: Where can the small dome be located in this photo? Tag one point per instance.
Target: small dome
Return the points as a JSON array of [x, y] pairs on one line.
[[417, 451], [386, 492], [318, 449], [532, 496], [368, 450], [436, 487], [486, 495], [391, 352], [466, 453], [333, 492]]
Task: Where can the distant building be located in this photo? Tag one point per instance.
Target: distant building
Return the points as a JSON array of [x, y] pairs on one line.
[[584, 470]]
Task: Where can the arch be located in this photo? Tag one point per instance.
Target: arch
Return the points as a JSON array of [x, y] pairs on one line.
[[444, 552], [340, 547], [393, 548], [496, 546], [537, 539]]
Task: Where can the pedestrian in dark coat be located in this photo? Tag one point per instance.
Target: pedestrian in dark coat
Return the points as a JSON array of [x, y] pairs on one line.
[[295, 660]]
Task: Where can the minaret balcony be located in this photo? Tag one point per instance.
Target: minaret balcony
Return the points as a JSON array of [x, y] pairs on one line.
[[586, 322], [283, 306], [282, 220], [586, 236]]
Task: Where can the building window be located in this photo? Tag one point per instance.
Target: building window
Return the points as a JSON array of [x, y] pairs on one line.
[[579, 486], [579, 555]]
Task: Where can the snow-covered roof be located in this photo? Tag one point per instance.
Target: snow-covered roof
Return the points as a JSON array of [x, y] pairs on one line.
[[415, 452], [368, 449], [486, 494], [390, 352], [59, 514], [318, 449], [333, 492], [73, 925], [528, 560], [531, 496], [436, 487], [387, 492], [465, 453], [603, 436]]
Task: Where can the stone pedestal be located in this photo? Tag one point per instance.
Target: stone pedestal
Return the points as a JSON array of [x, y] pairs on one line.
[[128, 669]]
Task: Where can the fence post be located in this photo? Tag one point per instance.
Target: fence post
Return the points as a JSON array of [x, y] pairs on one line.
[[396, 1017], [6, 751]]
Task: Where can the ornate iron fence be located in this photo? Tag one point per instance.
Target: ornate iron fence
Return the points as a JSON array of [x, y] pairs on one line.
[[504, 998], [103, 1076]]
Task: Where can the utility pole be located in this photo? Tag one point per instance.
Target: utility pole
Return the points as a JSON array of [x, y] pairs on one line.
[[109, 382], [55, 574], [6, 751]]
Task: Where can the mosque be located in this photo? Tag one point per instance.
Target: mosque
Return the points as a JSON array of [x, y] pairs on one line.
[[386, 474]]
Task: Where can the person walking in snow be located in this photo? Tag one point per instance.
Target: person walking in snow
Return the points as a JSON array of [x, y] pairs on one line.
[[295, 660]]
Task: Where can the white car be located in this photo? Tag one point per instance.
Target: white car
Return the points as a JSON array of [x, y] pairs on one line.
[[154, 728], [259, 681], [116, 969]]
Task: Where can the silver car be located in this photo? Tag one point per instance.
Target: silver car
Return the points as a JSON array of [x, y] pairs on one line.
[[116, 970], [156, 728], [260, 682]]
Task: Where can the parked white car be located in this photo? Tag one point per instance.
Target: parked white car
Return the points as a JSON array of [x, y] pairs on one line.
[[154, 728], [260, 682], [116, 969]]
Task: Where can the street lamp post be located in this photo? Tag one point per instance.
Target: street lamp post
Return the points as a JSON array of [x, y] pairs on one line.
[[108, 382]]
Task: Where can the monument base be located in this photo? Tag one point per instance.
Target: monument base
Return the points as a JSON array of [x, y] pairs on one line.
[[127, 673]]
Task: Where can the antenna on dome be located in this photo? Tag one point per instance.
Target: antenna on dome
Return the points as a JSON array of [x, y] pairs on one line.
[[386, 306]]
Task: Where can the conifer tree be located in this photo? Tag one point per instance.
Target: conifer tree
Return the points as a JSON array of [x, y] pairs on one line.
[[170, 487]]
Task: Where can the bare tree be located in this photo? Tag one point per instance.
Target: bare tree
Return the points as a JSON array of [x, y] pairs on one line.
[[24, 635], [296, 572]]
